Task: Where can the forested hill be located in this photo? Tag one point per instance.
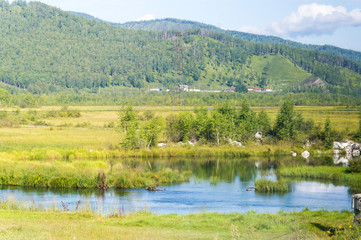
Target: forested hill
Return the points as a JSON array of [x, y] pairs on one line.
[[184, 25], [44, 49]]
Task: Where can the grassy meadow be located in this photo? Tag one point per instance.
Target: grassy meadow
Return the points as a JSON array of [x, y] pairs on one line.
[[17, 223], [96, 128]]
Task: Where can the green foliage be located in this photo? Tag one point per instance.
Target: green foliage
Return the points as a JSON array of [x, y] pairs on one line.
[[247, 121], [357, 134], [268, 186], [105, 56], [355, 166], [328, 135], [129, 125], [180, 127], [84, 174], [264, 122], [152, 130], [284, 128], [241, 88], [184, 25], [323, 172]]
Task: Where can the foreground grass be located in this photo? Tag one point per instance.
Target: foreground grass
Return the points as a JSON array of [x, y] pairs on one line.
[[20, 224]]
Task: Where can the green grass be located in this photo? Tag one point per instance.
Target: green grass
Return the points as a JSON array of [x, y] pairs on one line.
[[323, 173], [53, 224], [280, 70], [268, 186], [62, 138], [84, 174]]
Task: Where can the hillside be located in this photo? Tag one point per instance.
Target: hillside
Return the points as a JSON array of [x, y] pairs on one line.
[[48, 50], [184, 25]]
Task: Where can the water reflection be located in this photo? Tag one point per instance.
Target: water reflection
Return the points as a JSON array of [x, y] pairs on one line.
[[216, 185]]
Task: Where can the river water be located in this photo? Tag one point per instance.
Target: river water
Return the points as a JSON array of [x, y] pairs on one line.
[[215, 186]]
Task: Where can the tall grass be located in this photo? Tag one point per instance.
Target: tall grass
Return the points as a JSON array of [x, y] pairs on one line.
[[323, 173], [83, 174], [268, 186], [73, 154]]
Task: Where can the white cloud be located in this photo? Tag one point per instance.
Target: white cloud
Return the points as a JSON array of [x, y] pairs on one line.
[[146, 17], [316, 19]]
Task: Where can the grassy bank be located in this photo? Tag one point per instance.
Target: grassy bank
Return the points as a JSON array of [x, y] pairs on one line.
[[165, 152], [53, 224], [323, 173], [84, 174]]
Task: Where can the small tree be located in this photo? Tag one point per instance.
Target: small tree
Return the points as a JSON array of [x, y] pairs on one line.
[[264, 122], [284, 128], [327, 135], [129, 124], [357, 135], [151, 131]]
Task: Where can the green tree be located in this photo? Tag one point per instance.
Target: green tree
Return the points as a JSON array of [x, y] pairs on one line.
[[4, 97], [151, 131], [264, 122], [357, 135], [247, 123], [327, 135], [129, 125], [241, 88], [180, 127], [284, 128]]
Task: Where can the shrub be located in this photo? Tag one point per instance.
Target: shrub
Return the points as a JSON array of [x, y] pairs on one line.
[[355, 166]]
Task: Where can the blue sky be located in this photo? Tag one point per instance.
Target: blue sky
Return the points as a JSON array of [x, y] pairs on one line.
[[318, 22]]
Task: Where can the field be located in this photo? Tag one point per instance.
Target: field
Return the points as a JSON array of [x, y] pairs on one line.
[[54, 224], [96, 126]]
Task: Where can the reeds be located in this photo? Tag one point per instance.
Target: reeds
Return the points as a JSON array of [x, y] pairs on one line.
[[83, 174], [268, 186]]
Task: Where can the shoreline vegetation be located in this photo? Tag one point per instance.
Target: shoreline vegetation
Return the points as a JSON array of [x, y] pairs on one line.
[[253, 150], [342, 174], [268, 186], [19, 221]]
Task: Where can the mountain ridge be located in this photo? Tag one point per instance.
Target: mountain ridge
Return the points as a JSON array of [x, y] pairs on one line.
[[45, 49], [167, 24]]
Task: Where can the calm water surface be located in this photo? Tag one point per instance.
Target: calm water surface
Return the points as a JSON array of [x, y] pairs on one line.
[[215, 186]]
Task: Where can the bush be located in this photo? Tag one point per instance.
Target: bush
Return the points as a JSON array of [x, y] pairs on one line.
[[355, 166]]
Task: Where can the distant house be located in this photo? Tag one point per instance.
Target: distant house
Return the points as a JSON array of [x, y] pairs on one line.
[[183, 88], [230, 90], [155, 90], [267, 89], [194, 90], [256, 89]]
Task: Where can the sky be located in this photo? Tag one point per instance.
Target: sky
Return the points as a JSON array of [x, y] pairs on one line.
[[316, 22]]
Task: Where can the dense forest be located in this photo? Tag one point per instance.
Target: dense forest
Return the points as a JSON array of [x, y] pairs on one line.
[[184, 25], [48, 51]]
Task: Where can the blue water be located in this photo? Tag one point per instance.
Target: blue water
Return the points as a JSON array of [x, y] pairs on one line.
[[215, 186], [193, 197]]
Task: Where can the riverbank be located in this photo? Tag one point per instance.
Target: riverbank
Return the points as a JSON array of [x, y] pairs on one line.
[[341, 174], [254, 149], [55, 224], [85, 174]]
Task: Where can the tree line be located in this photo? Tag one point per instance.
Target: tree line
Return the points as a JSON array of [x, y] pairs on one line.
[[223, 125]]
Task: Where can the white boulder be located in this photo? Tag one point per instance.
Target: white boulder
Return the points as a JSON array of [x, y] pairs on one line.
[[258, 135], [306, 154]]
